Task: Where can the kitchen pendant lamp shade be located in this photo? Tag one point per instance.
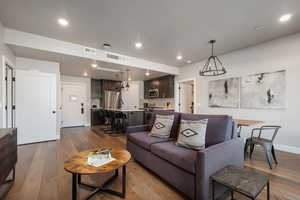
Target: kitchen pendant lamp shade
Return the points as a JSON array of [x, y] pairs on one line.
[[213, 66]]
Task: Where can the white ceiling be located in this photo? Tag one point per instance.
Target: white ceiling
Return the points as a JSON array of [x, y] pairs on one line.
[[166, 28], [77, 66]]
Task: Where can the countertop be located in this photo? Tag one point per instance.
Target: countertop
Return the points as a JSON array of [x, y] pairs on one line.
[[135, 110], [157, 108], [119, 110]]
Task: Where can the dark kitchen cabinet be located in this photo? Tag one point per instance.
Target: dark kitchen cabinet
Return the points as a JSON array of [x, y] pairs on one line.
[[111, 85], [165, 86], [135, 118], [97, 117], [96, 86], [146, 89]]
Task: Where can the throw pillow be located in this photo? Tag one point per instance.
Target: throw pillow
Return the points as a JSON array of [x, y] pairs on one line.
[[162, 126], [192, 134]]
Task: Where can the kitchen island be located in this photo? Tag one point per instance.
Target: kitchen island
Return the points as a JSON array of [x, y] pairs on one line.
[[131, 117]]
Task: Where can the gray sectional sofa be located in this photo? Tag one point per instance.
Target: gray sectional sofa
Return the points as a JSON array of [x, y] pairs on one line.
[[188, 170]]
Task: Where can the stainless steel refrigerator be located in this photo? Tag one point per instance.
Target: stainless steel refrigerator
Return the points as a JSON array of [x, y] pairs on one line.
[[112, 99]]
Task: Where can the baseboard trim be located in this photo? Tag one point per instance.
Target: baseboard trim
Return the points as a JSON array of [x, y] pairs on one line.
[[286, 148]]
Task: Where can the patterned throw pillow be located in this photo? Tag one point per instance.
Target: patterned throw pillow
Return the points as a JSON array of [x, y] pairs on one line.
[[192, 134], [162, 126]]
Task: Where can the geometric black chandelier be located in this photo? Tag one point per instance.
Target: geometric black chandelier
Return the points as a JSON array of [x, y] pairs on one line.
[[213, 66]]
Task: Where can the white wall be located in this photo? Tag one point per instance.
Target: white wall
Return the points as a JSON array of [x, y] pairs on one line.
[[47, 67], [6, 55], [131, 96], [87, 82], [283, 53]]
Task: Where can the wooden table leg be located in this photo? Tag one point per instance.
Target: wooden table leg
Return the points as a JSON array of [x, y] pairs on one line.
[[74, 186], [213, 190], [268, 190], [79, 178], [124, 181]]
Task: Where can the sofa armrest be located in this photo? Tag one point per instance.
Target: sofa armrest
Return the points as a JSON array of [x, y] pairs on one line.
[[213, 159], [139, 128]]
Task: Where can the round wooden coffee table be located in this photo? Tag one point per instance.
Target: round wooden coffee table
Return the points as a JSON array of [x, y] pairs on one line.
[[77, 165]]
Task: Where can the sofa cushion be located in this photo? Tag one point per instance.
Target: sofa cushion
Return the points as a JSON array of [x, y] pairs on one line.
[[178, 156], [219, 127], [162, 126], [192, 134], [142, 139], [175, 126]]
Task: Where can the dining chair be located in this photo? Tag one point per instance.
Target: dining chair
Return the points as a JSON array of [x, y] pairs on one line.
[[266, 143]]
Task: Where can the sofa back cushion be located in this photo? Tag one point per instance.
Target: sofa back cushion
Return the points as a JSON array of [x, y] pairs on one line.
[[192, 134], [176, 121], [162, 126], [219, 127]]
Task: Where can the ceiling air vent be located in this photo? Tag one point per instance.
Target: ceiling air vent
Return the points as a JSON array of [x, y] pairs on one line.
[[89, 51], [111, 56]]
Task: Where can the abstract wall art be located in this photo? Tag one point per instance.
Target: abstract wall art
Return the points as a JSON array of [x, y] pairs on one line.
[[264, 91], [224, 93]]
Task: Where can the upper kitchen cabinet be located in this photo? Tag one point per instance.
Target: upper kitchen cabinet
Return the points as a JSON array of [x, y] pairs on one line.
[[96, 86], [162, 87], [111, 85]]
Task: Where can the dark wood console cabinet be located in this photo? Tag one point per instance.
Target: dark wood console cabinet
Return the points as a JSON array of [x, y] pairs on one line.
[[8, 158]]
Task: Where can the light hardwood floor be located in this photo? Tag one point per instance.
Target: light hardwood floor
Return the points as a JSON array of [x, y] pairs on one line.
[[40, 173]]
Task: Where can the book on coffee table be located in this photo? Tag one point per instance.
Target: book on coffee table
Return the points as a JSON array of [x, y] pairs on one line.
[[99, 158]]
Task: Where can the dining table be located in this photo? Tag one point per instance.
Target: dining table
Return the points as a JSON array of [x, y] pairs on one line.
[[246, 123]]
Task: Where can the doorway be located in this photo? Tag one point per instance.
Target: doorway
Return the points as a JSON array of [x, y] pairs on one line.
[[74, 104], [9, 118], [35, 106], [186, 96]]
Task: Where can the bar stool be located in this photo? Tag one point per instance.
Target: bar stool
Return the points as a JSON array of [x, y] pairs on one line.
[[118, 123], [108, 121]]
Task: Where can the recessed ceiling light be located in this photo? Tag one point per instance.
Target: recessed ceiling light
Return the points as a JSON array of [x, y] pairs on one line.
[[63, 22], [138, 45], [179, 57], [285, 18], [258, 28], [188, 61], [94, 65], [85, 74], [147, 73]]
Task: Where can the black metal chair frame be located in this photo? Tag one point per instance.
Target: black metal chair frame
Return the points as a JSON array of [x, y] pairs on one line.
[[265, 143]]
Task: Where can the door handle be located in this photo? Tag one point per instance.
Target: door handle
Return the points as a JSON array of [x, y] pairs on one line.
[[53, 111], [82, 109]]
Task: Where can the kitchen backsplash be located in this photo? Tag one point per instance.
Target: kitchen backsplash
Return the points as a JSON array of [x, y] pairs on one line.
[[95, 102], [160, 102]]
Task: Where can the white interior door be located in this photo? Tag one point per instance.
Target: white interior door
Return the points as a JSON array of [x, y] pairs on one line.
[[186, 97], [9, 119], [35, 106], [74, 98]]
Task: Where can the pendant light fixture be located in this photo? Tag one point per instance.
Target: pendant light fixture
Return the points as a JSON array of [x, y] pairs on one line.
[[213, 66], [127, 73], [122, 80]]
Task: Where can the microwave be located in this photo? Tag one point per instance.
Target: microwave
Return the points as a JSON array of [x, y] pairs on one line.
[[154, 93]]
